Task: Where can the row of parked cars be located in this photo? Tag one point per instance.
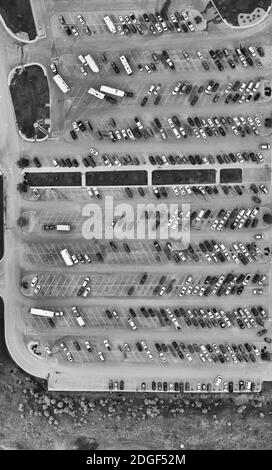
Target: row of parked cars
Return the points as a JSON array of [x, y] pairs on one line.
[[252, 317], [237, 92], [244, 385], [181, 387], [212, 251], [156, 23], [198, 127], [221, 159], [207, 190], [204, 317], [223, 353], [237, 218]]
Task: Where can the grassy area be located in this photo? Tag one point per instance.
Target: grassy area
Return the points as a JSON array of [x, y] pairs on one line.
[[117, 178], [231, 175], [230, 9], [18, 16], [30, 95], [54, 179], [183, 177]]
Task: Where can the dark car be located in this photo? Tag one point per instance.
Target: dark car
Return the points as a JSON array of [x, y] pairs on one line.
[[67, 29], [144, 100], [77, 345], [37, 162], [139, 346], [73, 135], [115, 67]]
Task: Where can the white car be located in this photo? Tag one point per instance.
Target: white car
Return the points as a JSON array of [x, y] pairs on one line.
[[83, 70], [176, 133], [130, 134], [53, 67], [75, 126], [218, 380], [82, 59], [176, 190], [34, 281], [96, 192], [257, 291], [88, 346], [101, 356], [151, 89], [90, 191], [116, 160], [163, 357], [162, 291], [264, 146], [182, 291], [107, 344], [176, 89], [115, 314], [36, 193], [81, 19], [48, 350], [93, 152], [132, 324], [85, 282], [121, 19], [74, 30], [120, 30], [37, 290]]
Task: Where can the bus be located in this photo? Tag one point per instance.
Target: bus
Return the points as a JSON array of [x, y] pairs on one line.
[[110, 24], [112, 91], [92, 64], [125, 64], [42, 313], [66, 257], [96, 93], [61, 83]]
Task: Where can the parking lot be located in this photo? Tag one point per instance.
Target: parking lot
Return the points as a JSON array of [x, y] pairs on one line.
[[198, 126]]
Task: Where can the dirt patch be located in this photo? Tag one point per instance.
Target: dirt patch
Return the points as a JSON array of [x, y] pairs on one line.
[[18, 17], [30, 95]]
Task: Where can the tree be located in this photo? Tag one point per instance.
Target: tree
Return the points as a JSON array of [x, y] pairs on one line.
[[22, 221], [267, 218], [23, 162], [22, 187], [24, 284], [268, 123]]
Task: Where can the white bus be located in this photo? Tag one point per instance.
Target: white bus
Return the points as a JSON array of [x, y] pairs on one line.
[[66, 257], [96, 93], [63, 227], [112, 91], [125, 64], [92, 64], [110, 24], [61, 83], [42, 313]]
